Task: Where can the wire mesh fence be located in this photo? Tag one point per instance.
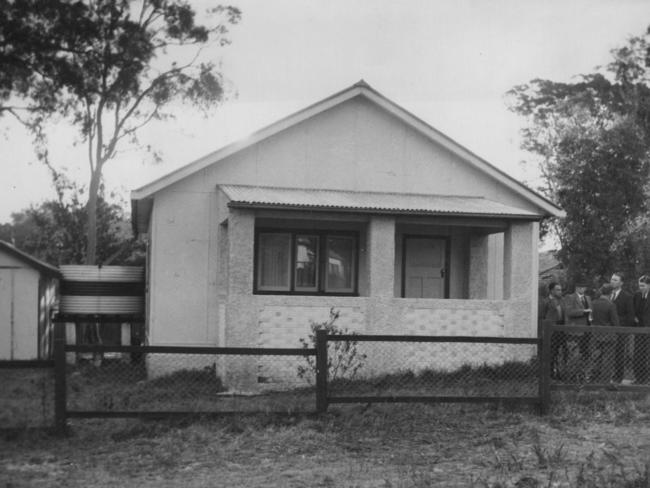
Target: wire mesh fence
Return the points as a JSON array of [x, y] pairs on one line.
[[433, 368], [26, 395], [600, 356], [186, 382]]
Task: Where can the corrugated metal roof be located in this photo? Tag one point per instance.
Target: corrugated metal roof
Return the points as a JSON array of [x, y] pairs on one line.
[[80, 272], [369, 202]]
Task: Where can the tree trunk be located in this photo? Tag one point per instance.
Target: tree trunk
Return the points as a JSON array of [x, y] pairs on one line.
[[90, 329], [91, 218]]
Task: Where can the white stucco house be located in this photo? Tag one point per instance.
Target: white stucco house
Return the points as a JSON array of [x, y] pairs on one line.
[[351, 203]]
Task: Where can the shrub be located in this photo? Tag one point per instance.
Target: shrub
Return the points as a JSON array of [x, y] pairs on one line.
[[343, 357]]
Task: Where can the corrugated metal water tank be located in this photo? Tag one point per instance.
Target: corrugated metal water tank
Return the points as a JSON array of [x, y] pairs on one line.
[[111, 290]]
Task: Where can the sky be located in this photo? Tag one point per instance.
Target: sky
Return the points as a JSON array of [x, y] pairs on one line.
[[449, 62]]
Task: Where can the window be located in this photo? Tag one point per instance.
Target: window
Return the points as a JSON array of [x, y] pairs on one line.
[[274, 263], [306, 262]]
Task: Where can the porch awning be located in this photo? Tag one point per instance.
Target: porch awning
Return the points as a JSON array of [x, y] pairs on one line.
[[244, 196]]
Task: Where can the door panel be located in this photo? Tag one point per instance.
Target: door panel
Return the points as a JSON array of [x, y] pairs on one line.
[[424, 267]]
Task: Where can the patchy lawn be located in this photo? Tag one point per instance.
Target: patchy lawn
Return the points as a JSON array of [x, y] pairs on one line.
[[589, 440]]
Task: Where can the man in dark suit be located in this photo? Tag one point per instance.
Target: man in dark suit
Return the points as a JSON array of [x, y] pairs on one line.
[[577, 307], [604, 345], [642, 342], [551, 310], [625, 310]]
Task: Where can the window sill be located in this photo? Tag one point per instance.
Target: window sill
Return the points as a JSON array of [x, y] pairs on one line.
[[305, 294]]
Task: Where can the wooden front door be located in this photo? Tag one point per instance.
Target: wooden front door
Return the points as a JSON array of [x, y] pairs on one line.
[[425, 267]]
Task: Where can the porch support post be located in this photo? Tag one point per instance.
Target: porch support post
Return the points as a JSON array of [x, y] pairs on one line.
[[381, 247], [521, 269], [240, 373], [241, 236], [478, 267]]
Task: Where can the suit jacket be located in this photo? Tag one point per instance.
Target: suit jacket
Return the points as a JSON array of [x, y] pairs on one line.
[[641, 310], [603, 312], [551, 308], [574, 309], [625, 309]]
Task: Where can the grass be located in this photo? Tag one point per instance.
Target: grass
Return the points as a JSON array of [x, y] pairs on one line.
[[587, 441], [26, 398], [120, 386], [511, 378]]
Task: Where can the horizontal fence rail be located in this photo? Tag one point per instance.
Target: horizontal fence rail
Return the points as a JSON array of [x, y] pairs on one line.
[[420, 338], [26, 364], [248, 351]]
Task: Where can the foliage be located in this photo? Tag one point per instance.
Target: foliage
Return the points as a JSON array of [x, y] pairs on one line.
[[343, 357], [54, 230], [108, 68], [592, 137]]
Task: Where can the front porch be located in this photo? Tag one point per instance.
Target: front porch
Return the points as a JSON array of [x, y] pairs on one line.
[[482, 281]]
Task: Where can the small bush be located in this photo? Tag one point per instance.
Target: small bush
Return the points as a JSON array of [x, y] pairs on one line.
[[343, 358]]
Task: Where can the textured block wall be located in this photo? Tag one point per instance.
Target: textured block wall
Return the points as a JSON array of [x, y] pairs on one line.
[[283, 320]]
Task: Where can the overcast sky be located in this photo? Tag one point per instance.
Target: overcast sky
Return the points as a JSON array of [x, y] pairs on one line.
[[449, 62]]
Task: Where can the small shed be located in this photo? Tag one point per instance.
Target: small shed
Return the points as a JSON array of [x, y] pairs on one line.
[[28, 293]]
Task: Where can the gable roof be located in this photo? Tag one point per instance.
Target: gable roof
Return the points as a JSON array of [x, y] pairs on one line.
[[35, 263], [141, 205], [244, 196]]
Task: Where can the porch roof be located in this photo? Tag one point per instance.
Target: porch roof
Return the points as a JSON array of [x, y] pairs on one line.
[[244, 196]]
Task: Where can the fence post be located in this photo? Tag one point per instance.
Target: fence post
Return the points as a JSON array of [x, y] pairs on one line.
[[321, 371], [59, 378], [544, 348]]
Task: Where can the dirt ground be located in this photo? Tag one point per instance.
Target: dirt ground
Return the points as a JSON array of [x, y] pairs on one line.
[[591, 441]]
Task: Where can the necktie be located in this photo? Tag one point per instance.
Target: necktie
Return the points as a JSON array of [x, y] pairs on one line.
[[584, 302]]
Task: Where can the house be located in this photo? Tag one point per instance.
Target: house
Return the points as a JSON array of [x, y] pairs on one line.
[[352, 203], [28, 293]]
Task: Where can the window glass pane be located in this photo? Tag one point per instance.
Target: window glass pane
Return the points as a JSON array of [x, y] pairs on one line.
[[274, 260], [306, 263], [340, 264]]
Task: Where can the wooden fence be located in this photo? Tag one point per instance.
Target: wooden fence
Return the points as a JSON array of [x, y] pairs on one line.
[[323, 391]]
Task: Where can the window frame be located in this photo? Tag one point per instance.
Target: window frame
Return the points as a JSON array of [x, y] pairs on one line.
[[321, 268]]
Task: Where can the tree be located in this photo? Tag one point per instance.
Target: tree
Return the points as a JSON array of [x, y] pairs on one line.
[[108, 68], [54, 230], [592, 138]]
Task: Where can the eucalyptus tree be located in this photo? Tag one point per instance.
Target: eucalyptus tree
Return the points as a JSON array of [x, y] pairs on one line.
[[108, 68], [592, 140]]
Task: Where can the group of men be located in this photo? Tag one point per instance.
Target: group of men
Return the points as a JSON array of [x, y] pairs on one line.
[[609, 305]]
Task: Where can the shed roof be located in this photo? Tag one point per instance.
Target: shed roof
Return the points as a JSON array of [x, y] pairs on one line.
[[35, 263], [142, 197], [242, 196]]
